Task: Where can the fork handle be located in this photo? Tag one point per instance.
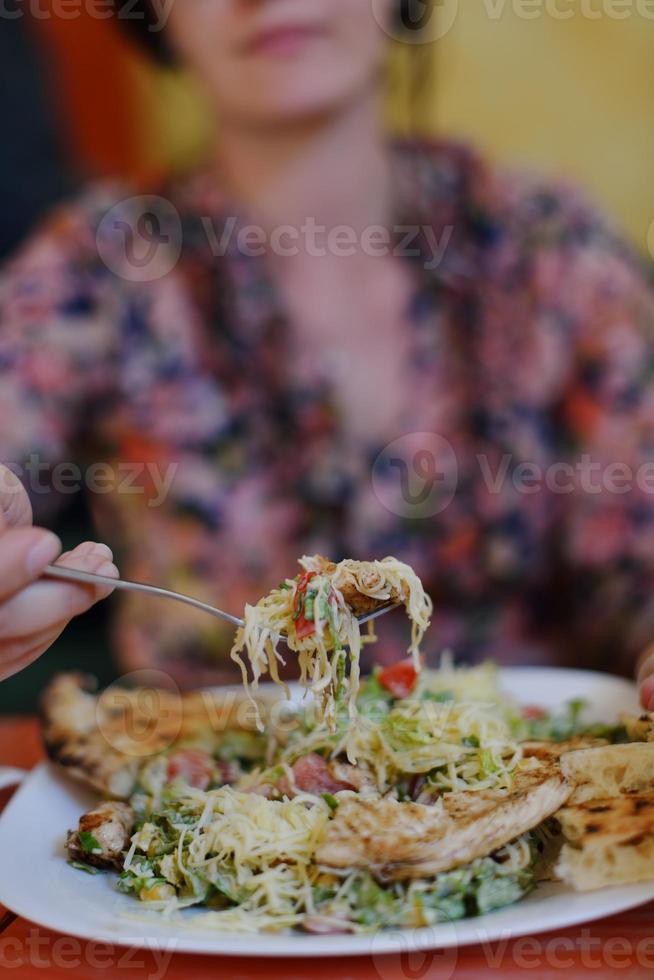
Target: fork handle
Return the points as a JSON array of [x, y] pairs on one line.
[[88, 578]]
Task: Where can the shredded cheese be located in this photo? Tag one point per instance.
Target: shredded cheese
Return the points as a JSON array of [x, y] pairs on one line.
[[464, 745], [249, 859], [258, 851]]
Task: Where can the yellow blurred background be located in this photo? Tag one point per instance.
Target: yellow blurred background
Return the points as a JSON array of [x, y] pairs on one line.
[[573, 97]]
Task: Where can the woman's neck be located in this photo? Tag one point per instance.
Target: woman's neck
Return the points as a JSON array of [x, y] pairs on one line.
[[331, 171]]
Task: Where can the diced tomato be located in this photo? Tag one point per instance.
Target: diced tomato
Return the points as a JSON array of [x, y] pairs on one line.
[[400, 679], [304, 580], [312, 775], [193, 766], [304, 627], [533, 713]]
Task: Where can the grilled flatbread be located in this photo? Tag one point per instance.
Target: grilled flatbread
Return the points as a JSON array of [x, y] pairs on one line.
[[610, 770], [552, 751], [640, 728], [608, 842], [102, 740], [410, 840]]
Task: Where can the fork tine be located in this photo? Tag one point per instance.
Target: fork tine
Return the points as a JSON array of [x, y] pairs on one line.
[[389, 607]]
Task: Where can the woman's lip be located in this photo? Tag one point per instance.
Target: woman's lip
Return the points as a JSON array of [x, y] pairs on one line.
[[281, 40]]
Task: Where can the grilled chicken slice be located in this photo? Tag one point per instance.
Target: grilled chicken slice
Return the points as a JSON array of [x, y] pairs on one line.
[[398, 841], [102, 836]]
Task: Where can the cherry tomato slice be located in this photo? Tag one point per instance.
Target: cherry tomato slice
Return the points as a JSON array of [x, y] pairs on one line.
[[303, 581], [533, 713], [400, 678], [304, 627]]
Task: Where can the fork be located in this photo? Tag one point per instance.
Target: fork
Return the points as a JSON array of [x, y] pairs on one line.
[[89, 578]]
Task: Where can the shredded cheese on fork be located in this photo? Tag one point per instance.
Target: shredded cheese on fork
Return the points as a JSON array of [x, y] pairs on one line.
[[313, 617]]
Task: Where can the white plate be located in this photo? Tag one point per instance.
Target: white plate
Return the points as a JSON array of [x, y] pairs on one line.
[[37, 883]]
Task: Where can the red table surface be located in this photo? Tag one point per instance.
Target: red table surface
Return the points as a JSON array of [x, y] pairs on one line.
[[621, 945]]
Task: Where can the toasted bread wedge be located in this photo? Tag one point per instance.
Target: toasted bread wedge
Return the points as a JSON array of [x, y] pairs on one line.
[[410, 840], [102, 740], [608, 842], [610, 770], [552, 751], [639, 728]]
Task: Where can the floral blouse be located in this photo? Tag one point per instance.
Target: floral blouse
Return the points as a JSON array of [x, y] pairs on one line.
[[519, 484]]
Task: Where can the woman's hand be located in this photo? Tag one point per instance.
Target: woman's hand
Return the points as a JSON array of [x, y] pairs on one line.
[[645, 677], [33, 613]]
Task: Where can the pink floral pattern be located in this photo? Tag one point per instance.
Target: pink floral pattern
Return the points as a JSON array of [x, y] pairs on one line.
[[532, 343]]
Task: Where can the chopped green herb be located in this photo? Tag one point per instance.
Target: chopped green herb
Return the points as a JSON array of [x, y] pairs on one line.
[[81, 866], [149, 883], [441, 697], [487, 761], [88, 842], [330, 800], [339, 685]]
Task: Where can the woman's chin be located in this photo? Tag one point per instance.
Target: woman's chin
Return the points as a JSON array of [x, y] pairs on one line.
[[290, 98], [292, 112]]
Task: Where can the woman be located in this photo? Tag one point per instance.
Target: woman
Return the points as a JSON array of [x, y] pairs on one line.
[[455, 369], [33, 612]]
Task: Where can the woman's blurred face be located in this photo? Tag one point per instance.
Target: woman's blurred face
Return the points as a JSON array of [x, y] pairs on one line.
[[276, 61]]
